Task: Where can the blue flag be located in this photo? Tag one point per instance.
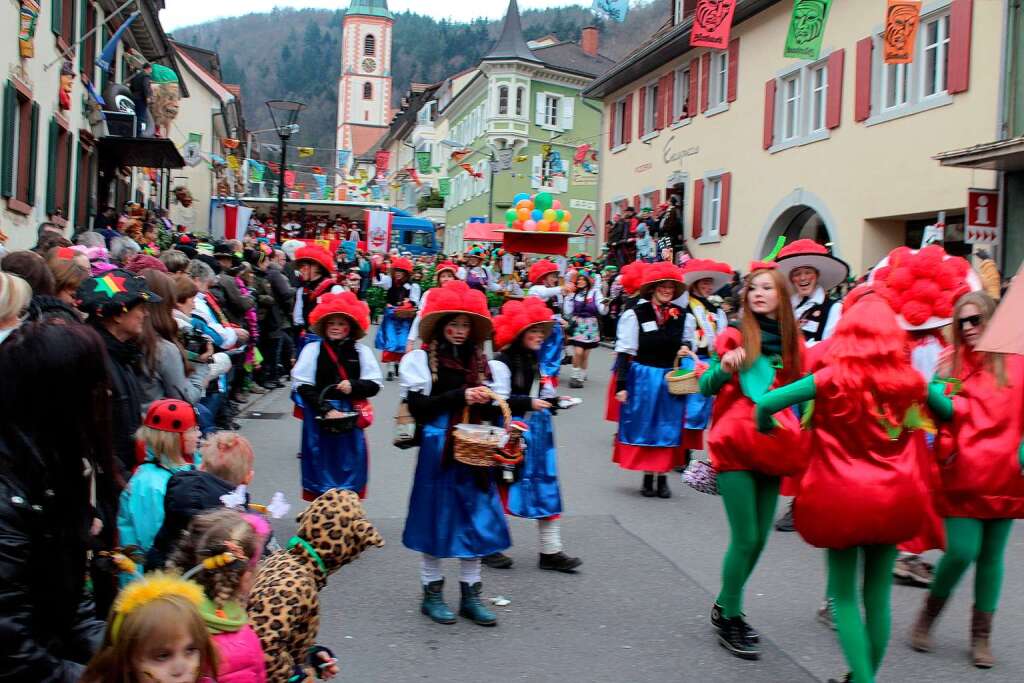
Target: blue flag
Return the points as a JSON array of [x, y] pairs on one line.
[[106, 59]]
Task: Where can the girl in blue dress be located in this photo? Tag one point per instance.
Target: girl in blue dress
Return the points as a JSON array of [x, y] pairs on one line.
[[393, 333], [454, 509], [335, 374]]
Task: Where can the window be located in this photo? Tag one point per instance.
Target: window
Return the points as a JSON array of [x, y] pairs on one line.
[[650, 114], [713, 205], [936, 56], [87, 64], [819, 99], [20, 135], [719, 88], [619, 131], [791, 107], [369, 45], [681, 95], [58, 173], [896, 78], [520, 100], [502, 100], [551, 110], [367, 91], [83, 187], [62, 21]]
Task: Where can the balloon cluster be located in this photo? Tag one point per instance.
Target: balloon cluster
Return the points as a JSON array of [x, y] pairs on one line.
[[539, 213]]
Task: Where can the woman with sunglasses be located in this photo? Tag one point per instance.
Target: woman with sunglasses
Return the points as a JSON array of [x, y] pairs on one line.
[[979, 399]]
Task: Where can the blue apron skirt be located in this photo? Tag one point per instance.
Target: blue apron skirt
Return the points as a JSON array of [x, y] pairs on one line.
[[650, 423], [549, 358], [537, 494], [331, 461], [393, 332]]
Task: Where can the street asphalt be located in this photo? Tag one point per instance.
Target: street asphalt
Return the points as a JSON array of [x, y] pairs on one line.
[[637, 611]]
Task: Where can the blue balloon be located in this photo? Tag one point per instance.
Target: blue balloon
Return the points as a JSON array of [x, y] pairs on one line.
[[520, 197], [536, 214]]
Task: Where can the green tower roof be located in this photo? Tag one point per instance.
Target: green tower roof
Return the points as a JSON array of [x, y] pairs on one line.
[[369, 8]]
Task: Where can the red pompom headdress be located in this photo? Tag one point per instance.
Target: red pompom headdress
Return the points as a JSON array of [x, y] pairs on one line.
[[518, 316], [697, 269], [922, 285], [540, 269], [346, 304], [400, 263], [453, 298], [316, 255], [632, 277]]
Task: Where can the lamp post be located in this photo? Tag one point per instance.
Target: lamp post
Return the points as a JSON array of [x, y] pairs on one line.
[[285, 116]]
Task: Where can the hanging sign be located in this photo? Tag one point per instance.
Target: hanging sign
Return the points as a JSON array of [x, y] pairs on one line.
[[378, 231], [901, 22], [444, 186], [423, 161], [711, 23], [983, 217], [807, 28], [289, 179], [503, 160], [381, 162]]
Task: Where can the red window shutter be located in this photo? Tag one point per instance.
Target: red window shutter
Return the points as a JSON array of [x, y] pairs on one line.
[[655, 199], [642, 114], [705, 80], [698, 208], [659, 106], [960, 20], [636, 203], [691, 101], [607, 215], [734, 68], [611, 127], [627, 120], [862, 102], [769, 114], [669, 99], [834, 106], [723, 217]]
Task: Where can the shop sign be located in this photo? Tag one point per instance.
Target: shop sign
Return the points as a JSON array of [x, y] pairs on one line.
[[983, 217], [584, 204]]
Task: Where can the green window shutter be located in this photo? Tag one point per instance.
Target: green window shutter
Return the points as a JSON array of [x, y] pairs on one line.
[[33, 141], [7, 140], [56, 15], [51, 169], [69, 212]]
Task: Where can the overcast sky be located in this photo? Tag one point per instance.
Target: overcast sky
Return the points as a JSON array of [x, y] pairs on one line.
[[187, 12]]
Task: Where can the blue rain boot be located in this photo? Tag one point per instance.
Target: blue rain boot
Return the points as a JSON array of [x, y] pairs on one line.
[[433, 603]]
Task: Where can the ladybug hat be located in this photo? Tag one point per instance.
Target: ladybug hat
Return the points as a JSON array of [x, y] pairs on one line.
[[453, 298], [518, 316], [345, 304], [809, 254], [315, 255], [697, 269], [170, 415], [541, 269], [654, 274]]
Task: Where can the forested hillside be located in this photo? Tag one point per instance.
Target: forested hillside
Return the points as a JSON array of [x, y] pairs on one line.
[[294, 54]]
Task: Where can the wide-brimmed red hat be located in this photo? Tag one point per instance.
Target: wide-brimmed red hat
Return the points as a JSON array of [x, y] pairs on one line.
[[922, 285], [345, 304], [806, 253], [654, 274], [317, 255], [540, 269], [446, 265], [400, 263], [697, 269], [453, 298], [518, 316]]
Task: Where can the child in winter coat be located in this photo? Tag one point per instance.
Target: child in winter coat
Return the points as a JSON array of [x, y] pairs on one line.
[[644, 244], [220, 552], [169, 437]]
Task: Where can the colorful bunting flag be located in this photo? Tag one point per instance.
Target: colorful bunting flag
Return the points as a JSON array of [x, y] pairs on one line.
[[902, 18], [423, 161], [306, 152], [444, 186], [712, 23], [807, 28]]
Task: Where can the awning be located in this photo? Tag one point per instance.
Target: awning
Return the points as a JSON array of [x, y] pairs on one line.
[[147, 152], [482, 232], [1002, 155]]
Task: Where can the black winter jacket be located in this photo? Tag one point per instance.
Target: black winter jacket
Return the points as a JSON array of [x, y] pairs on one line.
[[189, 492], [125, 398]]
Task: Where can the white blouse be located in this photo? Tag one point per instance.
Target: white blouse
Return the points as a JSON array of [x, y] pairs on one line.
[[304, 371]]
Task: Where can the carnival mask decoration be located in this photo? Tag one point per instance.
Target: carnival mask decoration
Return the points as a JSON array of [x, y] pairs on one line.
[[711, 13], [900, 30], [67, 79], [166, 96], [808, 20], [183, 196]]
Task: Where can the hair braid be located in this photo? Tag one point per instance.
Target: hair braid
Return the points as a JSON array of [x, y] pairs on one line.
[[432, 359], [211, 534]]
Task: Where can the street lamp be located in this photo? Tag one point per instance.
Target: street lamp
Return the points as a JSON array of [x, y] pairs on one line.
[[285, 116]]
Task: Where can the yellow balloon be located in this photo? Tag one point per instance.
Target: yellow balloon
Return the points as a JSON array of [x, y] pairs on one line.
[[564, 226], [549, 215]]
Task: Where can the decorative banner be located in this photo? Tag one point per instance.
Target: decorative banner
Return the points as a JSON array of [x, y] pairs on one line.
[[376, 192], [109, 53], [230, 143], [256, 170], [414, 176], [381, 162], [196, 138], [468, 168], [614, 10], [807, 28], [28, 17], [712, 23], [321, 181], [328, 193], [460, 154], [289, 179], [378, 231], [901, 22], [343, 156], [423, 161], [306, 152], [444, 186]]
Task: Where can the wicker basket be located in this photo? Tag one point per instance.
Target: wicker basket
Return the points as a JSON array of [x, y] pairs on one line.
[[681, 383], [476, 448], [404, 313]]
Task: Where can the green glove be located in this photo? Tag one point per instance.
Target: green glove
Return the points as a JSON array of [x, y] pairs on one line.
[[938, 402], [714, 378], [799, 391]]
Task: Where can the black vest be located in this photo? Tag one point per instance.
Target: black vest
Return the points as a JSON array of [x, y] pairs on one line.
[[658, 345], [816, 314]]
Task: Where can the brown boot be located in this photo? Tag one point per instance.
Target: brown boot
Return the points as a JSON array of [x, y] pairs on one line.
[[921, 633], [981, 629]]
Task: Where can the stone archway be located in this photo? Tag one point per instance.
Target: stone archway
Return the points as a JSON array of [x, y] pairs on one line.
[[800, 215]]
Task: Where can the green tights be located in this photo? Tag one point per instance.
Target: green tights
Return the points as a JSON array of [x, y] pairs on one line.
[[863, 641], [980, 541], [750, 500]]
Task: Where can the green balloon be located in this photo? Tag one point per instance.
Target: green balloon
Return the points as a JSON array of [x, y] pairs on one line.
[[542, 201], [510, 216], [559, 215]]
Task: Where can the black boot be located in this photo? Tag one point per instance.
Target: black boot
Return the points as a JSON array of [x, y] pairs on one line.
[[785, 522], [648, 489], [717, 621], [559, 562], [663, 490], [733, 637], [497, 561]]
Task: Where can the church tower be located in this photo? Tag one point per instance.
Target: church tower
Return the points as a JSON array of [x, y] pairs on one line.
[[364, 91]]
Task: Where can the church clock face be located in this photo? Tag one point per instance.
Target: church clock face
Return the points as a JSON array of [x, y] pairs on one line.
[[369, 64]]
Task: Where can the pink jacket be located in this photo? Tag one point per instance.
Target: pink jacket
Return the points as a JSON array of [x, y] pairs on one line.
[[241, 657]]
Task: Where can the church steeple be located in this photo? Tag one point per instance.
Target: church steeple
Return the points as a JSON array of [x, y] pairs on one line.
[[511, 45], [369, 8]]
